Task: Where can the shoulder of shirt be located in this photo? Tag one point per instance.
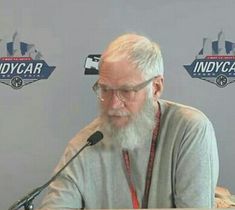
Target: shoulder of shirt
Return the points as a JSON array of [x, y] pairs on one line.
[[81, 137], [183, 112]]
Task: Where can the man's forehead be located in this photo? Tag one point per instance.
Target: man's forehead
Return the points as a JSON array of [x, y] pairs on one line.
[[121, 79], [122, 70]]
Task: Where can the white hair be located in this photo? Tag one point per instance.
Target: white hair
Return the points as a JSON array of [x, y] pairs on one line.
[[137, 132], [139, 50]]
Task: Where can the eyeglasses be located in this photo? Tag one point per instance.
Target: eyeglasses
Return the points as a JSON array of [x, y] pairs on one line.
[[125, 94]]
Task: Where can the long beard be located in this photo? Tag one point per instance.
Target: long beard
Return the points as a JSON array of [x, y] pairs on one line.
[[137, 132]]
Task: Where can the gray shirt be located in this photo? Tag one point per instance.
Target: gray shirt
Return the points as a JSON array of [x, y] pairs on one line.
[[184, 175]]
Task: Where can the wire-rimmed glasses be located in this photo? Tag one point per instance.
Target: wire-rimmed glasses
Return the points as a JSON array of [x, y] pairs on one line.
[[125, 94]]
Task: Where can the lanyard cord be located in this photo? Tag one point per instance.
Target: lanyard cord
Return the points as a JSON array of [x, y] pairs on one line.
[[135, 202]]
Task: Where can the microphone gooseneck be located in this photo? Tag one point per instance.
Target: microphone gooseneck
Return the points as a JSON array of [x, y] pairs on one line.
[[27, 200]]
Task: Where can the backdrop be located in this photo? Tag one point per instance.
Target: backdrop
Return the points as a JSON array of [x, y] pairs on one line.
[[39, 119]]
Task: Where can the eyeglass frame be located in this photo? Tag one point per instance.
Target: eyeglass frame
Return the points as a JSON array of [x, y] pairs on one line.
[[135, 88]]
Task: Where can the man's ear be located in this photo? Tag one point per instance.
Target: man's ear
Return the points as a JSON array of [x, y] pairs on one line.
[[158, 83]]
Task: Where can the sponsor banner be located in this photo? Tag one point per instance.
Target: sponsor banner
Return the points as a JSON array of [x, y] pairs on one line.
[[92, 64], [21, 63], [215, 63]]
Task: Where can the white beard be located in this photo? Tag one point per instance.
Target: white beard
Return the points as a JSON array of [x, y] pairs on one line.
[[137, 132]]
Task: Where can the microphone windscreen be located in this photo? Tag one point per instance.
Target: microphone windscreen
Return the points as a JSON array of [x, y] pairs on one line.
[[95, 138]]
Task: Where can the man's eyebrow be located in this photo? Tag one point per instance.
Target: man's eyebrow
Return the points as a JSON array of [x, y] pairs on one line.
[[120, 87]]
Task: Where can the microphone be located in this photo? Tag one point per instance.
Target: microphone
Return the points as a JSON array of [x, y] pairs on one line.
[[27, 200], [95, 138]]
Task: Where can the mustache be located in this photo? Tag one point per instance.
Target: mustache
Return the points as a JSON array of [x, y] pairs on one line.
[[118, 113]]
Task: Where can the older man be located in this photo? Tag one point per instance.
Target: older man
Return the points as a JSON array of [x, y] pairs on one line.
[[155, 153]]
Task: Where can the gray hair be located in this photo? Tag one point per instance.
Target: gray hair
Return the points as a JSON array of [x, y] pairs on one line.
[[139, 50]]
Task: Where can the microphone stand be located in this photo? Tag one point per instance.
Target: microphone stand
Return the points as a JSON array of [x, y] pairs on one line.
[[27, 201]]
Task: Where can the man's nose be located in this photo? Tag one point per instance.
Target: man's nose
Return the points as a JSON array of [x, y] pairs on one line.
[[115, 101]]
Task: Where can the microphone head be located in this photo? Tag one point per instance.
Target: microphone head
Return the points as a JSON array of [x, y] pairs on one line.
[[95, 138]]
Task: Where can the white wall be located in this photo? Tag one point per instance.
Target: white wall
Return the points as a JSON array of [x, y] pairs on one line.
[[38, 120]]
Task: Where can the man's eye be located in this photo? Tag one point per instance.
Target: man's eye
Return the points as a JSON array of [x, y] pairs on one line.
[[105, 89], [125, 90]]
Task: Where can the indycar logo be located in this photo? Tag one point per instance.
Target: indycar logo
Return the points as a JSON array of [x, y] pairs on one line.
[[21, 63], [215, 62]]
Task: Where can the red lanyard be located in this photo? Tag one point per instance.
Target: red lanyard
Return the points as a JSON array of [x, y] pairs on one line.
[[135, 202]]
